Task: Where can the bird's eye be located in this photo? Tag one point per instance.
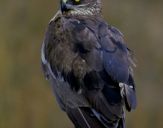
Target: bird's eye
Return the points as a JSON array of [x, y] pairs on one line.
[[77, 1]]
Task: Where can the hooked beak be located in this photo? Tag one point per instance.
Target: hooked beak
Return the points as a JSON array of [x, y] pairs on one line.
[[65, 7]]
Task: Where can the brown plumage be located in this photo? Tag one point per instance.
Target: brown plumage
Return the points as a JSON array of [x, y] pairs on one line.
[[89, 66]]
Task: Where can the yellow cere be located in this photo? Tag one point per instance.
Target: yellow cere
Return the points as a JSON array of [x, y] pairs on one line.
[[77, 0]]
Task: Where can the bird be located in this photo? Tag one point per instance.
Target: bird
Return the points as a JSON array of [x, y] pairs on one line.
[[89, 66]]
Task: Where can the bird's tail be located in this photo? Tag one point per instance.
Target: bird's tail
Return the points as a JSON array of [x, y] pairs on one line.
[[86, 118], [83, 118], [121, 123]]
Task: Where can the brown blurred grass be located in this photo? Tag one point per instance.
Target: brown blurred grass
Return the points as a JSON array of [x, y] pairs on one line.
[[26, 99]]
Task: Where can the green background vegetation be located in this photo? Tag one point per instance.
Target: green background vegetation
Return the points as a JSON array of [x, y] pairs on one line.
[[26, 98]]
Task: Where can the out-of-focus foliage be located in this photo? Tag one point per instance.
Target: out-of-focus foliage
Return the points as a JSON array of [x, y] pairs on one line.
[[26, 99]]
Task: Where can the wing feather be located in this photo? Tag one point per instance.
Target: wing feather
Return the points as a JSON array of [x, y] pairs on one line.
[[96, 59]]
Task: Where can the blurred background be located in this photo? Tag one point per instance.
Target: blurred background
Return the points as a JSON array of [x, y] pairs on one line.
[[26, 98]]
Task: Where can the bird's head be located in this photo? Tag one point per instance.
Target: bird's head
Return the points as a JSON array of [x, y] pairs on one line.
[[81, 7]]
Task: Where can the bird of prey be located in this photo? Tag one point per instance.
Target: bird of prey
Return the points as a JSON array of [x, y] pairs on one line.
[[89, 66]]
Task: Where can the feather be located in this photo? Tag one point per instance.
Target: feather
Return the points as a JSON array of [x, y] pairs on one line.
[[89, 66]]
